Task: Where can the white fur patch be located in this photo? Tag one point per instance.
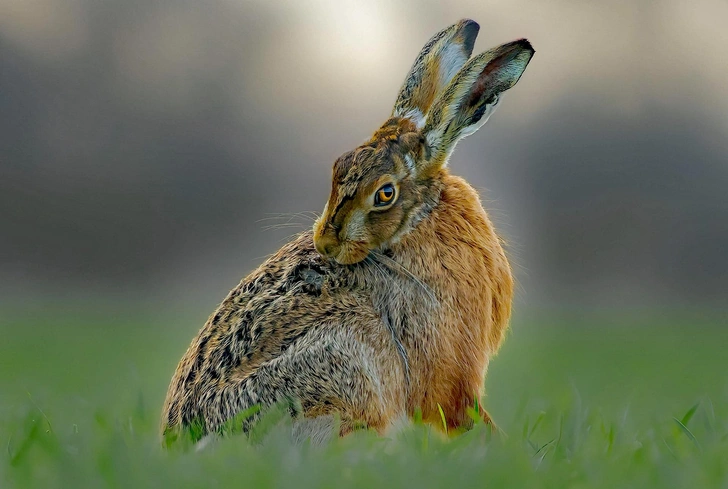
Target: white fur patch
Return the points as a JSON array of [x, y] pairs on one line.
[[415, 115], [434, 138], [355, 226], [452, 58], [490, 109], [410, 162]]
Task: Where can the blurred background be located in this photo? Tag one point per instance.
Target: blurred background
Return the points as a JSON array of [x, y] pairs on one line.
[[141, 143], [144, 145]]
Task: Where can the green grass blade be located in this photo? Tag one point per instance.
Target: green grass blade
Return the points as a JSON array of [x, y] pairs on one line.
[[442, 417], [687, 432], [540, 417], [689, 415]]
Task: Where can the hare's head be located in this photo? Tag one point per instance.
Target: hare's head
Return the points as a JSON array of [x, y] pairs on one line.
[[382, 189]]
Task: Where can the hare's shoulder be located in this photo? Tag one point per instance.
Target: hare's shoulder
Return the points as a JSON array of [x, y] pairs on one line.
[[293, 298], [292, 293]]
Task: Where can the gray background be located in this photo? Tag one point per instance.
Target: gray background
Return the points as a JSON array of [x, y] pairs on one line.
[[141, 143]]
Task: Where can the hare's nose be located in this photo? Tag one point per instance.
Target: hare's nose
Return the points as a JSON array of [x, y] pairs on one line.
[[325, 245]]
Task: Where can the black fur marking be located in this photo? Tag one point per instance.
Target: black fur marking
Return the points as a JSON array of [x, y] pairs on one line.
[[478, 114], [198, 361], [344, 200]]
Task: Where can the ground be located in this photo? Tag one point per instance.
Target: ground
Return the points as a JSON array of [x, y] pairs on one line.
[[583, 399]]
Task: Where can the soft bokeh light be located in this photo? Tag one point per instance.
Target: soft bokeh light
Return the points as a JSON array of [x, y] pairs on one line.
[[143, 142]]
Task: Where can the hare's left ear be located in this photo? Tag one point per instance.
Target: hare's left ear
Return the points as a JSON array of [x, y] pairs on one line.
[[439, 60], [471, 97]]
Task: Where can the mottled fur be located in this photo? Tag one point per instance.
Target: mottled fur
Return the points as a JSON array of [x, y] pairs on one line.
[[379, 311]]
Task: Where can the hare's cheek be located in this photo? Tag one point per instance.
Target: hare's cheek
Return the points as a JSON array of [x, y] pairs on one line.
[[384, 225], [355, 227]]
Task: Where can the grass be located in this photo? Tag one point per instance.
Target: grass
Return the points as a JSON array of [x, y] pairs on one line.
[[583, 400]]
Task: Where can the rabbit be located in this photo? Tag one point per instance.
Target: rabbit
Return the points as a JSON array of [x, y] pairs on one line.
[[396, 300]]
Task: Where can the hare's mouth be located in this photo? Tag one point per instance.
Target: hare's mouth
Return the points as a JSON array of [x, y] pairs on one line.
[[352, 252], [345, 252]]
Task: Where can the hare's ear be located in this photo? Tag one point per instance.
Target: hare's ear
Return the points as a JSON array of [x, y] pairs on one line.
[[437, 63], [471, 97]]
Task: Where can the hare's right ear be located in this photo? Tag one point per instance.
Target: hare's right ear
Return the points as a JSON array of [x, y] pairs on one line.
[[437, 63], [470, 98]]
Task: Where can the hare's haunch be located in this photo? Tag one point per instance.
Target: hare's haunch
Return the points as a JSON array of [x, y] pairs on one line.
[[400, 295]]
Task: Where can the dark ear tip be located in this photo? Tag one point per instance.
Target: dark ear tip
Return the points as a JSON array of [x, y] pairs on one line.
[[524, 45], [469, 30], [469, 24]]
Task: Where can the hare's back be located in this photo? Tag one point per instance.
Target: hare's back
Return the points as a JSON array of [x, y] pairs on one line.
[[290, 299]]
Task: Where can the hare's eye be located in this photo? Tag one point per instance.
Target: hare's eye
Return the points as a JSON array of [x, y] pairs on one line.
[[385, 195]]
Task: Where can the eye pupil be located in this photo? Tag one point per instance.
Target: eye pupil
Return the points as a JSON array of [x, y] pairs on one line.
[[385, 195]]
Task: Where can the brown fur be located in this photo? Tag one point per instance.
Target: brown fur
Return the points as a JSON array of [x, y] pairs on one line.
[[461, 256], [381, 310]]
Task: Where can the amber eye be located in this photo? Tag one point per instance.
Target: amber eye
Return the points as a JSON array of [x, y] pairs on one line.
[[385, 195]]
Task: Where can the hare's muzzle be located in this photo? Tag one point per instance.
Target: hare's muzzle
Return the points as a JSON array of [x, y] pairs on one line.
[[345, 252], [325, 239], [326, 245]]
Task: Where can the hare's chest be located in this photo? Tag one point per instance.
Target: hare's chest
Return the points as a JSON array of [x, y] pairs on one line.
[[452, 346]]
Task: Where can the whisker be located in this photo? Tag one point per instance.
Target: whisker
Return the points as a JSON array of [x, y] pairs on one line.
[[385, 260], [383, 273], [284, 225], [290, 216], [292, 236]]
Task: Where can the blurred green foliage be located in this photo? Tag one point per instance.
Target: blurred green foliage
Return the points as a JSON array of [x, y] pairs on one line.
[[583, 400]]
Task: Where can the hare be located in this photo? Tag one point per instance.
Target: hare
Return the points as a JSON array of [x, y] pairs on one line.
[[399, 296]]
